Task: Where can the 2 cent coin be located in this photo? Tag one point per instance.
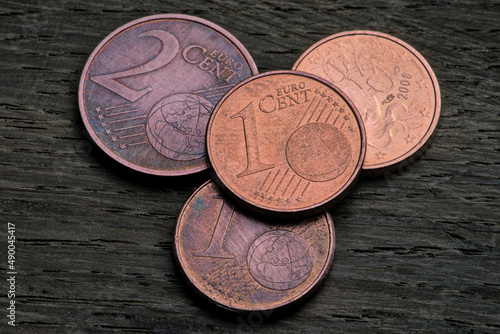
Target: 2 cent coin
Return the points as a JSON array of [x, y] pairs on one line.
[[390, 83], [242, 263], [147, 90], [286, 143]]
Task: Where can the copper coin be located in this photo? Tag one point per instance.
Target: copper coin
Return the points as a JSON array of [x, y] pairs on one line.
[[246, 264], [286, 142], [390, 83], [147, 91]]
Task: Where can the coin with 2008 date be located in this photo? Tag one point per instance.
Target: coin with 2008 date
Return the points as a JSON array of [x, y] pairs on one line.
[[391, 84]]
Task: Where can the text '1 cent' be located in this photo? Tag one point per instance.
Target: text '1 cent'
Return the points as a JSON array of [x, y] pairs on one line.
[[286, 142], [243, 263]]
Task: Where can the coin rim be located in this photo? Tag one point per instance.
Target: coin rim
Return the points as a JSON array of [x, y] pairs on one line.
[[419, 148], [81, 100], [181, 262], [283, 212]]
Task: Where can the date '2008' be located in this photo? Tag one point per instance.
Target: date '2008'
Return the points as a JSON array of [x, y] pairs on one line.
[[403, 89]]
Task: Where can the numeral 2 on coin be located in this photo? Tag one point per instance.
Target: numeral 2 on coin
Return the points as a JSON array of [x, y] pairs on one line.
[[169, 49], [254, 165]]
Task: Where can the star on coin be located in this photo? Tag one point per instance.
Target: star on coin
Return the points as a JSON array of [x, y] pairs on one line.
[[425, 112], [380, 155], [408, 139], [108, 131], [98, 109], [123, 146], [402, 56], [343, 44], [113, 138], [100, 116], [315, 60]]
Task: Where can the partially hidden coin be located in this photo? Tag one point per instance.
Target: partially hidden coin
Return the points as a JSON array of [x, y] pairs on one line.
[[243, 263], [147, 90], [286, 143], [391, 84]]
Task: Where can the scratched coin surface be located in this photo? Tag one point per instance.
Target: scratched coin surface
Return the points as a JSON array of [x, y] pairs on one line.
[[243, 263], [391, 84], [286, 143], [147, 90]]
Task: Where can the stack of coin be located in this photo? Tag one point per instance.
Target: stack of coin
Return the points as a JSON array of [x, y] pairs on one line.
[[174, 94]]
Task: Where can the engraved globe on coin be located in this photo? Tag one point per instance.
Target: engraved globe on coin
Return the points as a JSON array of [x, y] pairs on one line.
[[280, 259], [176, 126], [318, 152]]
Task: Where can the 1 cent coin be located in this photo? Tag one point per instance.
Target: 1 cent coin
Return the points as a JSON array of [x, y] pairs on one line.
[[147, 90], [390, 83], [286, 142], [247, 264]]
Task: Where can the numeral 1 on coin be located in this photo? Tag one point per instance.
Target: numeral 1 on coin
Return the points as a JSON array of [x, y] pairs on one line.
[[169, 49], [254, 165], [214, 249]]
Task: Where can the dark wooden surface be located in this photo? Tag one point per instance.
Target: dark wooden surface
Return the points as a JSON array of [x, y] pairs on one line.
[[417, 251]]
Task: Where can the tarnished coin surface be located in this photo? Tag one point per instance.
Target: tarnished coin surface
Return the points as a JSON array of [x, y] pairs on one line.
[[147, 90], [391, 84], [286, 143], [242, 263]]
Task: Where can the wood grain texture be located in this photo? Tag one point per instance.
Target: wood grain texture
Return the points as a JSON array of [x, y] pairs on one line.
[[417, 250]]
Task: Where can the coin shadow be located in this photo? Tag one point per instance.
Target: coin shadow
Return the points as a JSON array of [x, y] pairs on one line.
[[175, 183]]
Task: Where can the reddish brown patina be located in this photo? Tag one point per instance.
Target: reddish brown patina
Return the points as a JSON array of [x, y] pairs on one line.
[[286, 143], [391, 84], [247, 264], [148, 89]]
